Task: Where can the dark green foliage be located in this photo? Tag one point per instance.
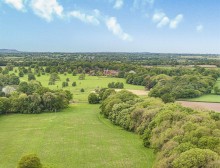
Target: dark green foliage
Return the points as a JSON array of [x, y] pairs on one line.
[[32, 98], [74, 84], [93, 98], [187, 86], [216, 90], [21, 73], [74, 73], [30, 161], [4, 105], [167, 98], [82, 90], [118, 85], [31, 77], [11, 79], [65, 84]]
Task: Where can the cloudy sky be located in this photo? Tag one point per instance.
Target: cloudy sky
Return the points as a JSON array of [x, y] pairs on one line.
[[171, 26]]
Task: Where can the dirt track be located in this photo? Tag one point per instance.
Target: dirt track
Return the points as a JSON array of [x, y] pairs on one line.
[[201, 105]]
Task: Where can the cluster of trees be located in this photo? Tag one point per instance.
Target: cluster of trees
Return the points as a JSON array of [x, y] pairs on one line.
[[32, 98], [118, 85], [11, 79], [146, 75], [182, 137], [187, 86], [100, 95]]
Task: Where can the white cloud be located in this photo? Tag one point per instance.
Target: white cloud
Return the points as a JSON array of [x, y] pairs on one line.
[[118, 4], [47, 8], [199, 28], [175, 22], [137, 4], [86, 18], [158, 16], [163, 20], [17, 4], [116, 29]]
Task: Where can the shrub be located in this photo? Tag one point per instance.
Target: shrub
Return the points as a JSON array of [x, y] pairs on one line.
[[195, 158], [82, 77], [30, 161], [82, 90], [93, 98], [74, 84]]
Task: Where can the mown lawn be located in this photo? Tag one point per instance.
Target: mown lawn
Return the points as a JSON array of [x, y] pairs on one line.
[[75, 137]]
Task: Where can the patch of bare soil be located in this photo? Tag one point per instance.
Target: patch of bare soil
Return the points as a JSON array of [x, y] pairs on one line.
[[201, 105]]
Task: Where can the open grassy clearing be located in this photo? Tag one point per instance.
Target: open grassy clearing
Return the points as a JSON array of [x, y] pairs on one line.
[[75, 137], [206, 98], [89, 84]]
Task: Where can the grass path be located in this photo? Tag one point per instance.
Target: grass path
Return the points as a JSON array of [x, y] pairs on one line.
[[75, 137]]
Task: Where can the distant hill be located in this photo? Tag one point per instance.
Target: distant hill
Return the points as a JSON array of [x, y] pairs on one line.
[[9, 51]]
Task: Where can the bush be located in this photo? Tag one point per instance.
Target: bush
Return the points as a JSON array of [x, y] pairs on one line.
[[196, 158], [82, 90], [118, 85], [82, 77], [30, 161], [74, 84], [31, 77], [93, 98]]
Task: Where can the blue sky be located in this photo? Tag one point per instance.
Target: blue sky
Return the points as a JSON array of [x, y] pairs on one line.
[[170, 26]]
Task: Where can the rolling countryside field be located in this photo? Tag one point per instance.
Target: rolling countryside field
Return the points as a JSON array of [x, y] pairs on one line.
[[89, 84], [76, 137]]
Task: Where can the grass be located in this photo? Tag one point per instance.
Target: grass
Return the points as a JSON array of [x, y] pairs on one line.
[[211, 98], [89, 84], [76, 137]]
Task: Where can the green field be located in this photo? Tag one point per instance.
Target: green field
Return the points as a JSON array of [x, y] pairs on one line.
[[89, 84], [75, 137], [206, 98]]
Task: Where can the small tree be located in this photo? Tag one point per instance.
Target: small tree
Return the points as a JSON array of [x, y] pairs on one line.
[[65, 84], [216, 90], [30, 161], [82, 90], [82, 77], [93, 98], [74, 84], [31, 77], [74, 73], [21, 73], [168, 98]]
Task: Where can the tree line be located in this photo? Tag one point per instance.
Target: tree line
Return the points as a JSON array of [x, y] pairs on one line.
[[180, 136], [32, 98]]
